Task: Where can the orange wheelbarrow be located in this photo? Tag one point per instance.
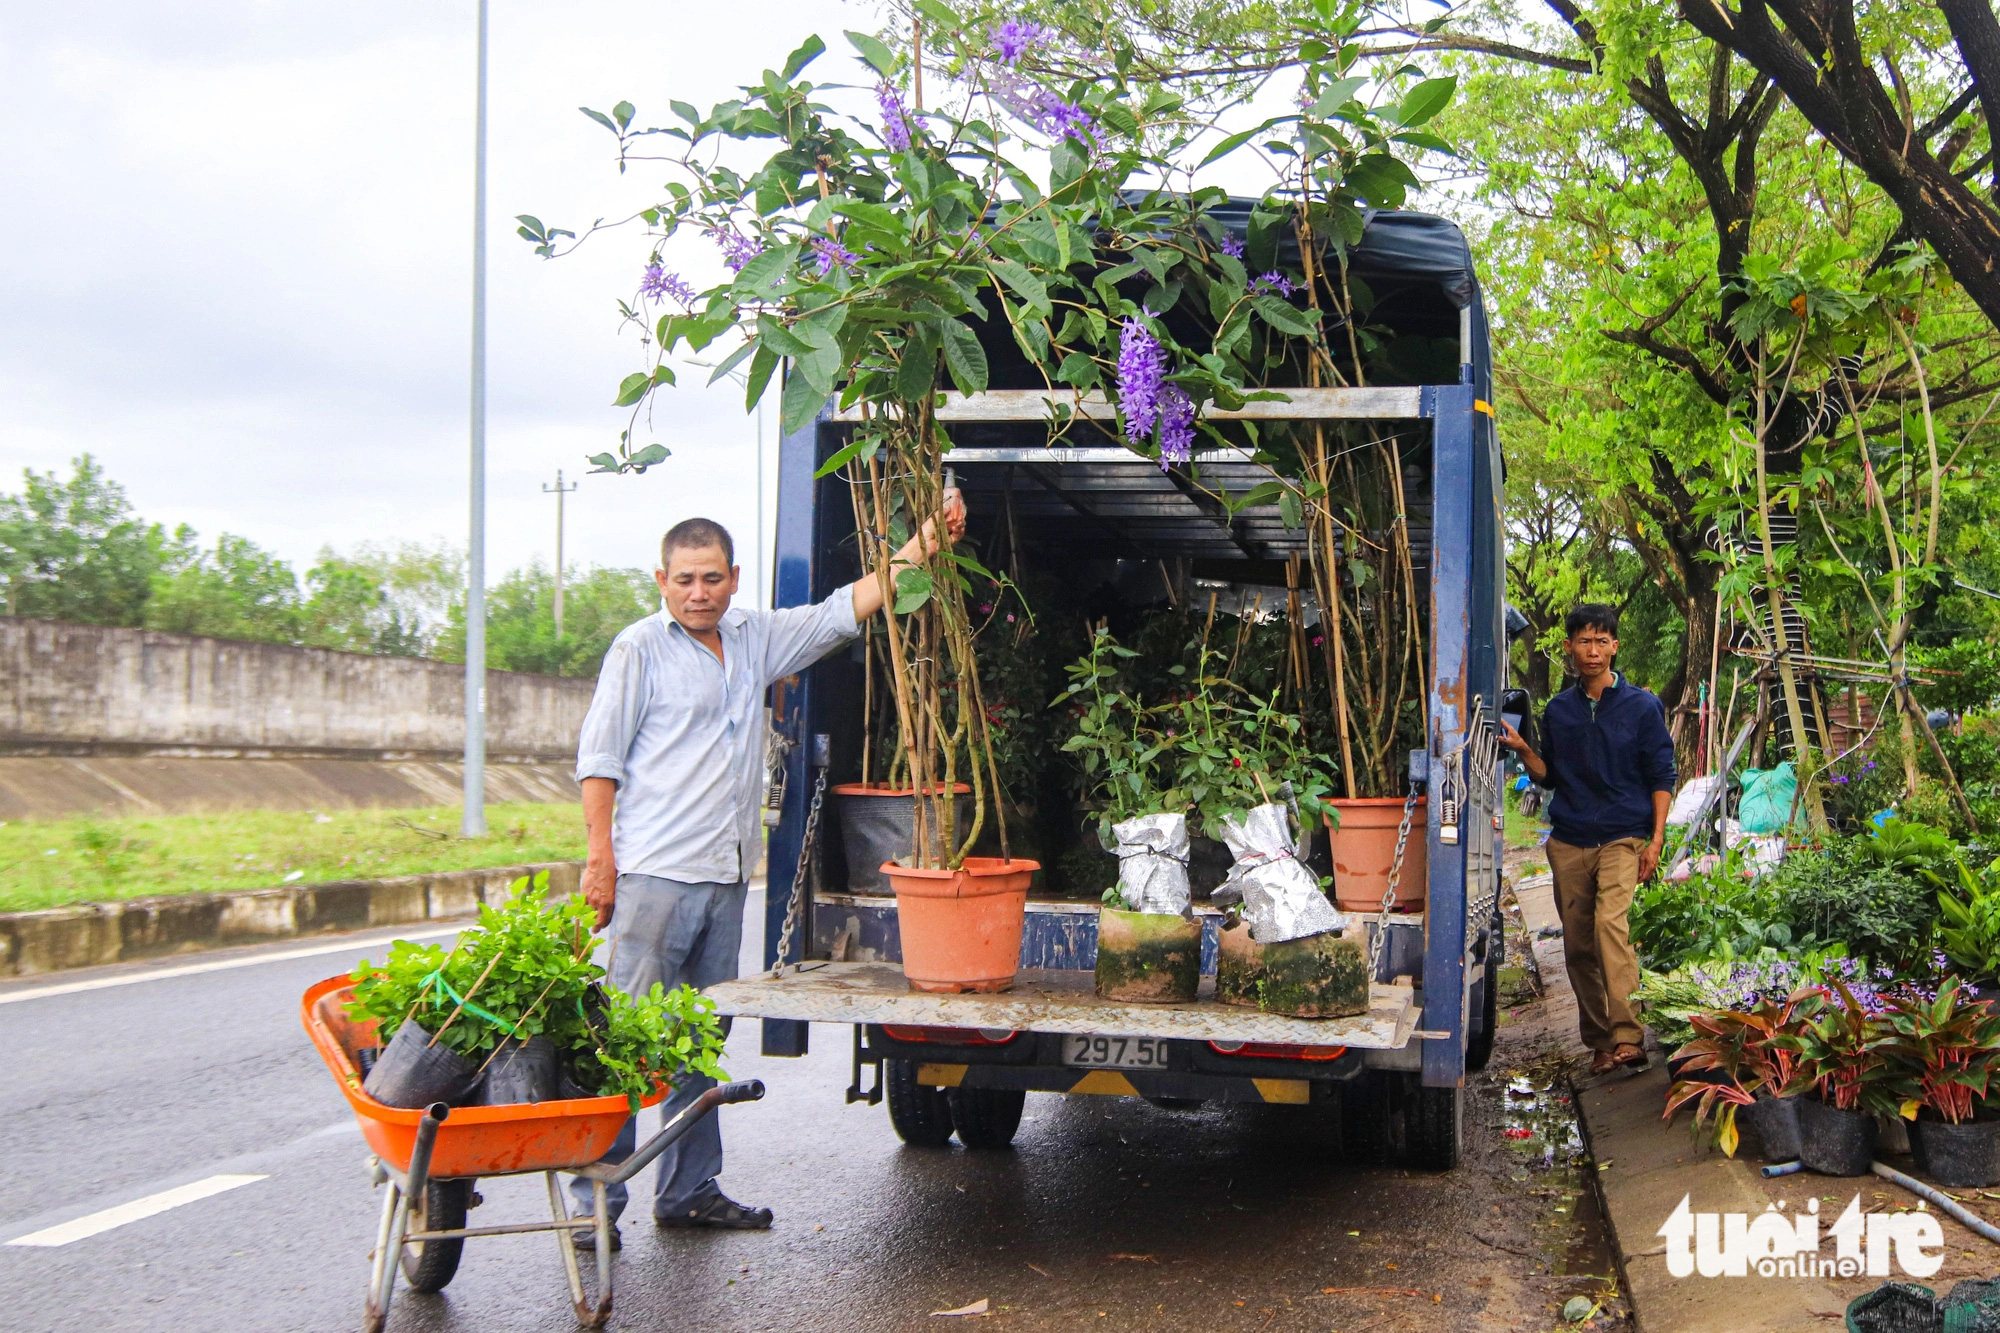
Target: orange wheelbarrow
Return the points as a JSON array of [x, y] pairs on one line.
[[429, 1159]]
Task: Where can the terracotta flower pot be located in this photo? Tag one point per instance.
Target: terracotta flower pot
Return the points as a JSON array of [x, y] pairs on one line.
[[1364, 848], [1150, 957], [961, 929], [878, 823]]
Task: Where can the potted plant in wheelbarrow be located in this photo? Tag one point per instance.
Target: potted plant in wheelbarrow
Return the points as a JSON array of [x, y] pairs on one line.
[[515, 1013], [1944, 1049], [1242, 762], [1148, 938]]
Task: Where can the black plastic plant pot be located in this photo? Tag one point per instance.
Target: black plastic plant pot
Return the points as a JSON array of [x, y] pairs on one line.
[[520, 1071], [1966, 1155], [411, 1072], [1776, 1123], [878, 824], [1834, 1142]]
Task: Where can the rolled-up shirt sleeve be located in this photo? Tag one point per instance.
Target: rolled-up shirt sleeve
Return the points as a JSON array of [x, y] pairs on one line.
[[801, 635], [613, 720]]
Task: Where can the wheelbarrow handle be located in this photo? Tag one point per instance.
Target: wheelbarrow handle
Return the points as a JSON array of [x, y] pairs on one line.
[[419, 1173], [748, 1090]]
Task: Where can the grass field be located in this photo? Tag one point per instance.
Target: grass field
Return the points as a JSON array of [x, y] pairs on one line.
[[51, 863]]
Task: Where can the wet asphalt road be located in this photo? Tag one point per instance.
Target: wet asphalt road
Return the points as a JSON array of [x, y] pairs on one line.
[[1107, 1213]]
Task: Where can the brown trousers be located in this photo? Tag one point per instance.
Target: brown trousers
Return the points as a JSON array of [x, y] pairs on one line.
[[1593, 894]]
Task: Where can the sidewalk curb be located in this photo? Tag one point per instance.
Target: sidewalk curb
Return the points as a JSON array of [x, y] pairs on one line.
[[92, 934]]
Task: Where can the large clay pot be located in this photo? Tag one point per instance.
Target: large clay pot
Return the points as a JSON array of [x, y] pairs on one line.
[[1150, 957], [878, 823], [1364, 848], [961, 929], [1320, 976]]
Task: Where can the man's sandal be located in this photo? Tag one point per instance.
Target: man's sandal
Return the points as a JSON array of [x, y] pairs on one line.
[[719, 1211], [1625, 1053]]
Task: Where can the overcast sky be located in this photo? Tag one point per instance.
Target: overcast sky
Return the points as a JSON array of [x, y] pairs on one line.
[[237, 262]]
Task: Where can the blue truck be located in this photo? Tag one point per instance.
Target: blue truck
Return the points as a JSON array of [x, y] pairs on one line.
[[963, 1064]]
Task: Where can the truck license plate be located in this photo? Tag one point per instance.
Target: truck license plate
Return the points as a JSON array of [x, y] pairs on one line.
[[1116, 1052]]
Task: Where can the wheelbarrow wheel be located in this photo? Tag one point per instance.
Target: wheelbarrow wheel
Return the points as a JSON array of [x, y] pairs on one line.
[[429, 1265]]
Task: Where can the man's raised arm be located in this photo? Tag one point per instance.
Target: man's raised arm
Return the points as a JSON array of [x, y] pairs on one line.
[[868, 588]]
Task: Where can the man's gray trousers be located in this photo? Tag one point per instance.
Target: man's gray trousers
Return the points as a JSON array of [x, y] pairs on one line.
[[673, 933]]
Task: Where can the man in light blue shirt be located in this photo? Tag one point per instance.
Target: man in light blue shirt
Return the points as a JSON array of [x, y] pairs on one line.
[[671, 759]]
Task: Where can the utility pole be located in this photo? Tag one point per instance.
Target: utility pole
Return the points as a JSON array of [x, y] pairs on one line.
[[561, 490], [474, 823]]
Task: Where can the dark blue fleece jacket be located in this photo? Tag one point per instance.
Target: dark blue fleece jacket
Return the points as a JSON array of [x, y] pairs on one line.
[[1605, 761]]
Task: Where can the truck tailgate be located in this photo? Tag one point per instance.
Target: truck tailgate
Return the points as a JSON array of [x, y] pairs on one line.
[[1051, 1001]]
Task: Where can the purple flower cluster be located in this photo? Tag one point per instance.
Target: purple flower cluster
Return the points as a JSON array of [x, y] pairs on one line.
[[1142, 373], [656, 283], [1232, 246], [737, 249], [895, 120], [1062, 120], [1176, 427], [1012, 39], [1149, 402], [827, 252], [1273, 281]]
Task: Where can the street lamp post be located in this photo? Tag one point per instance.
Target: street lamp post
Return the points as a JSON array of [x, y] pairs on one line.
[[473, 824]]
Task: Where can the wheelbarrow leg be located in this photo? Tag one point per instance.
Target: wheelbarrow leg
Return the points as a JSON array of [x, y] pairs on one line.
[[603, 1310], [388, 1247], [566, 1239]]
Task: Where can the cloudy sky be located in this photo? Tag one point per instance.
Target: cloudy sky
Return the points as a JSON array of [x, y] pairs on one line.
[[237, 261]]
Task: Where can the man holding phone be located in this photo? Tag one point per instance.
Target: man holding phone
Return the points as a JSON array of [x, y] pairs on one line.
[[1609, 760]]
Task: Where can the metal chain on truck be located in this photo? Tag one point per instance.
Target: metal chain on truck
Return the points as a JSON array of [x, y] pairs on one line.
[[802, 877], [1389, 894]]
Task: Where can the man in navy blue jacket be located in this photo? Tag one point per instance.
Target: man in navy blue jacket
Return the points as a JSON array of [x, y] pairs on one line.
[[1608, 758]]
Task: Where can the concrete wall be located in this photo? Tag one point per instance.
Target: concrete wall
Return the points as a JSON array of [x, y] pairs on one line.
[[88, 690]]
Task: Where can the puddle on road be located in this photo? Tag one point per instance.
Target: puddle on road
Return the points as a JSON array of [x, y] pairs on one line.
[[1538, 1123]]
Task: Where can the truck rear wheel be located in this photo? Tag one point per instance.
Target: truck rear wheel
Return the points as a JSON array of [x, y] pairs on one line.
[[1364, 1119], [1424, 1124], [921, 1115], [986, 1117], [1479, 1049]]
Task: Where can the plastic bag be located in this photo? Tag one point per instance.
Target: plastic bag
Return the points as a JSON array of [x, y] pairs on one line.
[[1768, 798], [1281, 898], [1895, 1307], [1153, 864], [1688, 802]]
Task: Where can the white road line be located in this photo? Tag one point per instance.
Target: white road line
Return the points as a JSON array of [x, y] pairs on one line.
[[96, 1223], [219, 965]]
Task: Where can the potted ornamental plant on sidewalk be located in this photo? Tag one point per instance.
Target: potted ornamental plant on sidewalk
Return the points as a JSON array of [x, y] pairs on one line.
[[1944, 1048], [1148, 938], [1734, 1070], [1842, 1079], [1242, 762]]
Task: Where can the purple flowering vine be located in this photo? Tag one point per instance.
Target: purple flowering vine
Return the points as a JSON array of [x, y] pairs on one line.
[[828, 252], [895, 120], [1142, 373], [657, 283], [1063, 120], [1273, 281], [1012, 39], [1232, 246], [737, 249], [1176, 427]]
